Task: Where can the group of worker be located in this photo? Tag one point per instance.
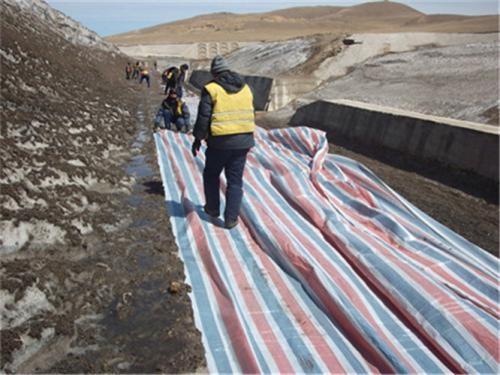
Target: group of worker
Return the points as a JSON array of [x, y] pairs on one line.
[[225, 122], [173, 111], [138, 71]]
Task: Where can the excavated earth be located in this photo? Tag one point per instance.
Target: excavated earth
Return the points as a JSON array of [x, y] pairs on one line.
[[90, 275]]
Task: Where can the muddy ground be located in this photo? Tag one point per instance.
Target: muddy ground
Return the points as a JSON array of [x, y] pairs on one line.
[[90, 278], [120, 301]]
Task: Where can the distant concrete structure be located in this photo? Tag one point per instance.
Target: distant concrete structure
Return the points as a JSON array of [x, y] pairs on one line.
[[284, 90], [464, 145], [211, 49], [193, 51]]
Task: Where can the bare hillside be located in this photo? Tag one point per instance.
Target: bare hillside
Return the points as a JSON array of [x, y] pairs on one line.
[[305, 21], [379, 10], [84, 276]]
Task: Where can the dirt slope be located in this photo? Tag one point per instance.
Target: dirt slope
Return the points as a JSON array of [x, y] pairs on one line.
[[90, 279]]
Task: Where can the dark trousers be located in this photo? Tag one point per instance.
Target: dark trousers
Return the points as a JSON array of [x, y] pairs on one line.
[[233, 164], [179, 90], [181, 124], [144, 78], [169, 85]]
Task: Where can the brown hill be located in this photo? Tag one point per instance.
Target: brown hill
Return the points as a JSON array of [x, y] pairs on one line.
[[443, 23], [310, 13], [381, 16], [380, 9]]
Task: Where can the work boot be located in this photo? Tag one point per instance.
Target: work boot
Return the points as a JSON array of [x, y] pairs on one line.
[[212, 213], [231, 224]]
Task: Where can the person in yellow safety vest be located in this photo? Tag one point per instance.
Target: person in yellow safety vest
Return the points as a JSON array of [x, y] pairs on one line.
[[226, 121], [128, 71], [173, 111], [170, 77], [144, 76]]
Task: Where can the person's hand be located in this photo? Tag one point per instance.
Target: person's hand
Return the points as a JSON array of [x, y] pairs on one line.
[[195, 147]]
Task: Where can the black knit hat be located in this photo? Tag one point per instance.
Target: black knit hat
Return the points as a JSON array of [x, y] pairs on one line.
[[218, 65]]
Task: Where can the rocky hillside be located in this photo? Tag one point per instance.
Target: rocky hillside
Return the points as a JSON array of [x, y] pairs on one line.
[[59, 23], [62, 125], [90, 278]]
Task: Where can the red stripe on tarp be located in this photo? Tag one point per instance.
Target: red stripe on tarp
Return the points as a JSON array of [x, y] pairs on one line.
[[254, 307]]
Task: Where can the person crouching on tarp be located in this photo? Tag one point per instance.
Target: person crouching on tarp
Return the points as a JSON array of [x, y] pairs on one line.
[[173, 111]]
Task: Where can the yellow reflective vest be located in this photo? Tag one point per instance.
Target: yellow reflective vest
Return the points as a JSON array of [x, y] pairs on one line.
[[177, 109], [232, 113]]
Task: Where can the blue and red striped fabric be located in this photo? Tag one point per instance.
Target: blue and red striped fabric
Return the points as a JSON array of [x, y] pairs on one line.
[[329, 271]]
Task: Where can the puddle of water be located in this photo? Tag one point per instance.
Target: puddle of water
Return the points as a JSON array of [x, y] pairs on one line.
[[140, 223], [141, 138], [138, 167], [135, 200]]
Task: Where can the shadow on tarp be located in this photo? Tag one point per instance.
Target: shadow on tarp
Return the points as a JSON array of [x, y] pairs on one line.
[[177, 209], [261, 86], [153, 187]]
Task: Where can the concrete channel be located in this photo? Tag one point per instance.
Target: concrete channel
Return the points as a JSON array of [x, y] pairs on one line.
[[465, 145]]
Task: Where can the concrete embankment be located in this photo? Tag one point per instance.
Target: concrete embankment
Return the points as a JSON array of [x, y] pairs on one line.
[[181, 51], [261, 86], [464, 145]]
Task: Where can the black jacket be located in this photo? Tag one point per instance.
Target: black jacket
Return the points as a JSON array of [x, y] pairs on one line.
[[168, 105], [231, 82]]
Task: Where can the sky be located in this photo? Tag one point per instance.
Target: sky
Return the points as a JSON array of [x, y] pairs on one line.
[[110, 17]]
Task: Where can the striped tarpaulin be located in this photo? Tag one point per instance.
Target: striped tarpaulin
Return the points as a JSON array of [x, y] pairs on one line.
[[329, 271]]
